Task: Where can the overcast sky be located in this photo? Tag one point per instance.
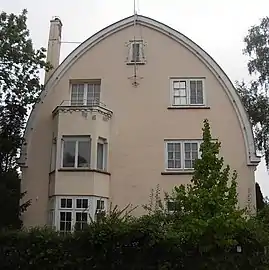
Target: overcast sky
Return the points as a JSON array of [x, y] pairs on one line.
[[217, 26]]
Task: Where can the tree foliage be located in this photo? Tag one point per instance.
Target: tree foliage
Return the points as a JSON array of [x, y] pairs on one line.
[[255, 94], [204, 231], [20, 64]]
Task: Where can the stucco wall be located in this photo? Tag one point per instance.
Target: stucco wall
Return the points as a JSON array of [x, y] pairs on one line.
[[141, 121]]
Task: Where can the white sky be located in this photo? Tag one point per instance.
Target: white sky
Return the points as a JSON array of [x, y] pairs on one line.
[[217, 26]]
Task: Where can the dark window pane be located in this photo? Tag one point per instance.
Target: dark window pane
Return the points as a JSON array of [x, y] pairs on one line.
[[100, 156], [100, 204], [84, 225], [78, 217], [171, 206], [187, 146], [68, 226], [194, 155], [177, 147], [63, 203], [177, 155], [69, 203], [68, 216], [170, 147], [177, 164], [188, 164], [79, 203], [62, 216], [187, 155], [69, 154], [84, 154], [84, 217], [136, 52], [194, 146], [170, 155], [199, 85], [171, 164], [85, 203], [62, 226]]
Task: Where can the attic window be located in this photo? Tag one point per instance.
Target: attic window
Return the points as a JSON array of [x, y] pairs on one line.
[[136, 52]]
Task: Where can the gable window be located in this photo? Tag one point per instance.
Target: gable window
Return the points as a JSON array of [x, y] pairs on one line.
[[180, 155], [136, 52], [186, 92], [101, 154], [85, 94], [76, 152]]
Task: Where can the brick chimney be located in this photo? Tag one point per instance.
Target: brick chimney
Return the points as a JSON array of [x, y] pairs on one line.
[[54, 45]]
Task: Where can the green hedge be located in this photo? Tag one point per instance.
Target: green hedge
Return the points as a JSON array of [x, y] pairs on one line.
[[142, 244]]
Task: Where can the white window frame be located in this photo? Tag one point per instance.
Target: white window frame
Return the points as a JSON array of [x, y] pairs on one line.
[[76, 139], [182, 154], [187, 80], [85, 93], [141, 59], [104, 142], [72, 210], [55, 206]]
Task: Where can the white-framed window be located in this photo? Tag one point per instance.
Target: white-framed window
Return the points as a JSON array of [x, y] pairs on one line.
[[100, 204], [136, 52], [74, 212], [187, 92], [171, 206], [85, 94], [76, 152], [101, 163], [180, 154]]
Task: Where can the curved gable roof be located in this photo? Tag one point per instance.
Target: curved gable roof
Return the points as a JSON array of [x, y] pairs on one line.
[[252, 158]]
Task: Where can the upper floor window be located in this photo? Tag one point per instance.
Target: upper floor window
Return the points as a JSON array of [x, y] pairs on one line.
[[180, 155], [186, 92], [85, 94], [136, 52], [101, 154], [76, 152]]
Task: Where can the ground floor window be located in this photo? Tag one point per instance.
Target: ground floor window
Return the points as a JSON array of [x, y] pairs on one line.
[[70, 213]]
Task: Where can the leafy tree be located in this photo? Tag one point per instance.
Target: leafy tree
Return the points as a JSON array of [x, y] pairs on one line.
[[20, 64], [212, 191], [207, 223], [254, 95], [207, 209]]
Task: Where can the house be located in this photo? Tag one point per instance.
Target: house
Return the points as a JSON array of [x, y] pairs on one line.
[[122, 114]]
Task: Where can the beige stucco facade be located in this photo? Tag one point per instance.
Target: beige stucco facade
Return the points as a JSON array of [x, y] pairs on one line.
[[136, 121]]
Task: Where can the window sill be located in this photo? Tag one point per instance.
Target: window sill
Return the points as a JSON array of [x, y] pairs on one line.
[[187, 107], [83, 170], [177, 172], [136, 63]]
